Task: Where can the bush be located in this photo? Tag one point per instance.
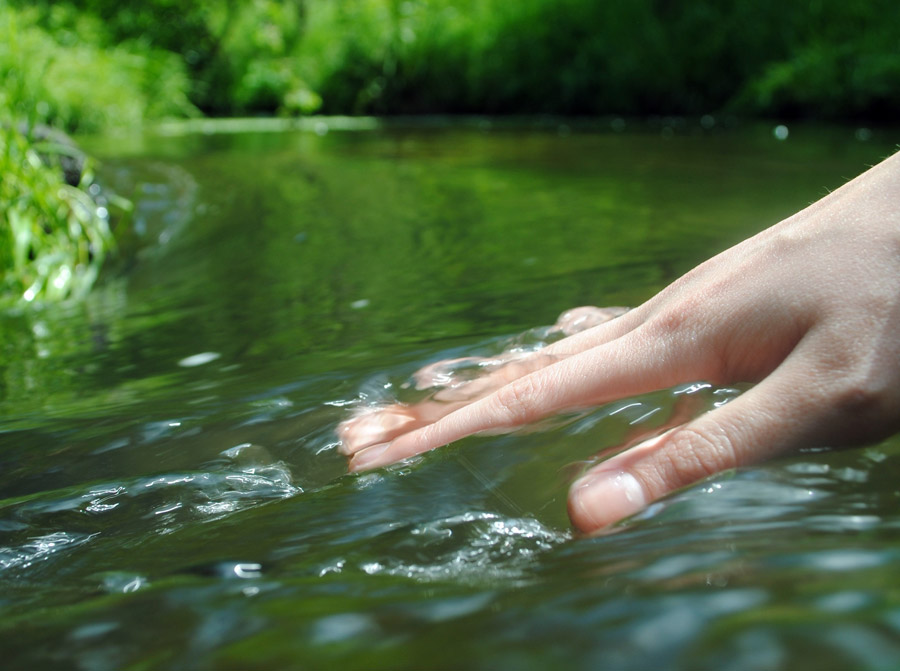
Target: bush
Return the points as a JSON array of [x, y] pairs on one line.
[[830, 58], [78, 85]]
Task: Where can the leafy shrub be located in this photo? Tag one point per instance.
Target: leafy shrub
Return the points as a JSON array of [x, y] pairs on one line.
[[81, 86], [828, 58], [53, 236]]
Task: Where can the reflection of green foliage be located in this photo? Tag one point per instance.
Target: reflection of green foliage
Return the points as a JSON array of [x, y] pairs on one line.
[[54, 236]]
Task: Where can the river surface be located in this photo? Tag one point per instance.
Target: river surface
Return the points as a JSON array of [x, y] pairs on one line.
[[172, 496]]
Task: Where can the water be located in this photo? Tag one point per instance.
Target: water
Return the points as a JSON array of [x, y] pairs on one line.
[[172, 497]]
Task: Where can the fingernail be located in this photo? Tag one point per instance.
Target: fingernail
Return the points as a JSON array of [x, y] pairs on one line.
[[599, 499], [371, 457]]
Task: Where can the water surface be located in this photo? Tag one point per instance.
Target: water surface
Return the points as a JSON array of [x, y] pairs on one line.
[[172, 497]]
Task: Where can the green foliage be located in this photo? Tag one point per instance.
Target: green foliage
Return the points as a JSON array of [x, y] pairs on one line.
[[75, 83], [239, 55], [53, 236], [829, 58], [261, 70], [848, 64]]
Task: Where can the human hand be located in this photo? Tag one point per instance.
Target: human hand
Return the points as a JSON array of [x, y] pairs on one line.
[[809, 309]]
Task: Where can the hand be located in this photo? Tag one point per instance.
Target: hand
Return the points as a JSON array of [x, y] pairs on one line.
[[809, 309]]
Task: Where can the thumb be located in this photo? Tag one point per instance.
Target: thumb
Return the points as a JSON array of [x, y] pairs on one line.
[[769, 419]]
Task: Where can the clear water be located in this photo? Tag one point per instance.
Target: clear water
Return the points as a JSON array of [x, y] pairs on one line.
[[171, 494]]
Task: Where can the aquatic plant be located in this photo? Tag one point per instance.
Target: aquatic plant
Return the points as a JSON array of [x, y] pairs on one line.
[[53, 235], [54, 222]]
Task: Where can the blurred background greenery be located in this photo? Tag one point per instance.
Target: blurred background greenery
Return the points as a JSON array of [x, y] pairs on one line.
[[86, 64], [95, 65]]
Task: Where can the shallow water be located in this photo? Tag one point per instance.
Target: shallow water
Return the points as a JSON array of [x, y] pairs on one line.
[[172, 497]]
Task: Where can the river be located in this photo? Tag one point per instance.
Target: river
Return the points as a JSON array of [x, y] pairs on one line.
[[172, 496]]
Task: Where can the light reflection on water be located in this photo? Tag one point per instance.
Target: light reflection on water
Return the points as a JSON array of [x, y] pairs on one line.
[[169, 447]]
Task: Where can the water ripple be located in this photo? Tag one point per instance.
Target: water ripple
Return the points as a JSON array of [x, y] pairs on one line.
[[471, 547], [39, 527], [39, 548]]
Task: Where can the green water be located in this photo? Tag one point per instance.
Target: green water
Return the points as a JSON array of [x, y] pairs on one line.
[[172, 497]]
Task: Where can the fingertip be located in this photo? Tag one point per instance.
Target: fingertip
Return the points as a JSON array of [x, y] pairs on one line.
[[603, 497], [369, 458], [374, 427]]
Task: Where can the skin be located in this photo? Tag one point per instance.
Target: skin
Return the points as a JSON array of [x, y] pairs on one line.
[[455, 383], [808, 309]]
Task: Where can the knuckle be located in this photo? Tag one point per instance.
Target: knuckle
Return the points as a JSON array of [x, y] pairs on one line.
[[859, 386], [679, 323], [670, 322], [863, 398], [693, 454], [684, 345], [516, 402]]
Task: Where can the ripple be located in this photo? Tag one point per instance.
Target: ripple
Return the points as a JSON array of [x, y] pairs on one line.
[[474, 546], [39, 548], [51, 523]]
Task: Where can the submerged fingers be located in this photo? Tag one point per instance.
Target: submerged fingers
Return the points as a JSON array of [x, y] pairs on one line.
[[628, 366], [470, 371], [378, 425], [449, 372], [459, 382], [375, 426]]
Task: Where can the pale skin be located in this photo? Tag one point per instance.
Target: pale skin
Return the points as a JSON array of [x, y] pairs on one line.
[[808, 309]]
